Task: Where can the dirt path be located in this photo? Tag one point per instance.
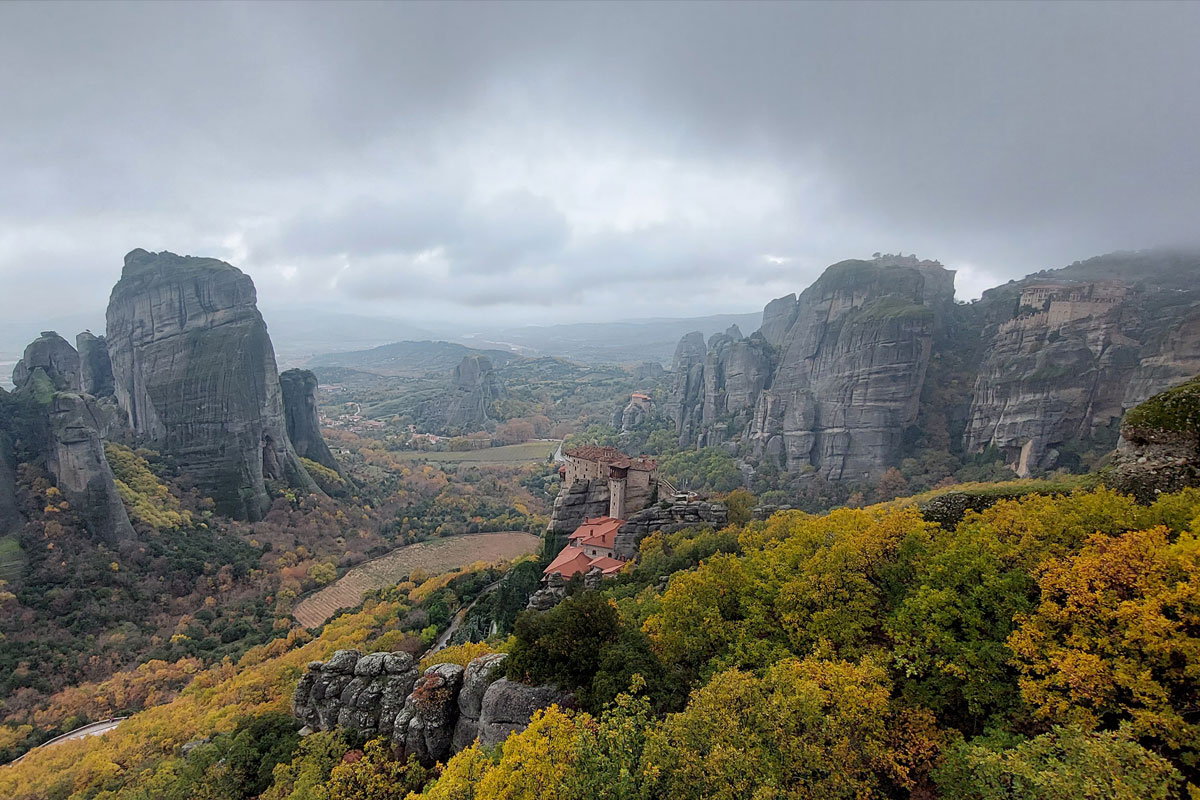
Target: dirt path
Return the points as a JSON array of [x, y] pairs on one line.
[[433, 556]]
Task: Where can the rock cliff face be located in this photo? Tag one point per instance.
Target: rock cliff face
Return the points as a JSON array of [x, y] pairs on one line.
[[95, 367], [195, 372], [429, 716], [577, 502], [1071, 357], [668, 518], [303, 422], [74, 427], [851, 368], [1159, 449], [80, 467], [1040, 369]]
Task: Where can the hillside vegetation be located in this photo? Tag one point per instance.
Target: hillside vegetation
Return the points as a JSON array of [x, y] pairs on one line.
[[1048, 646]]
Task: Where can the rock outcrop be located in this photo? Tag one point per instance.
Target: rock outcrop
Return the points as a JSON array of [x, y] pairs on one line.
[[718, 399], [299, 388], [73, 427], [668, 518], [57, 359], [194, 371], [1159, 449], [1071, 357], [429, 716], [364, 693], [425, 726], [508, 706], [468, 405], [851, 368], [95, 367], [837, 381], [480, 674], [576, 502], [80, 468]]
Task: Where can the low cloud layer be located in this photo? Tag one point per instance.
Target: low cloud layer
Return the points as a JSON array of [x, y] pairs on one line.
[[526, 163]]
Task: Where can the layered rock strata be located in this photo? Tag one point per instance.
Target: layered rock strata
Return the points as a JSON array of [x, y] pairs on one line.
[[194, 371], [299, 388], [431, 715], [1071, 358]]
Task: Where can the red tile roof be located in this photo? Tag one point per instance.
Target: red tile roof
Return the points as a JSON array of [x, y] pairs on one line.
[[569, 563], [598, 532], [609, 566]]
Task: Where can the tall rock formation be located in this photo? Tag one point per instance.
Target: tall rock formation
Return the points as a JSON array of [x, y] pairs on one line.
[[686, 400], [467, 405], [195, 372], [874, 357], [80, 467], [1073, 354], [830, 381], [303, 421], [70, 436]]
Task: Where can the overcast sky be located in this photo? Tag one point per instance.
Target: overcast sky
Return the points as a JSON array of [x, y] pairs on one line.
[[540, 163]]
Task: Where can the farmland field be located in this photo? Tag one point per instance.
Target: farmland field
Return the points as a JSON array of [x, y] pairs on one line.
[[433, 556], [12, 559], [508, 454]]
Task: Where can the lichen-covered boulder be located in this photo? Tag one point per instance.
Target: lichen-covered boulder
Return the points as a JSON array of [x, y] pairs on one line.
[[508, 707], [425, 727], [479, 676], [1159, 449]]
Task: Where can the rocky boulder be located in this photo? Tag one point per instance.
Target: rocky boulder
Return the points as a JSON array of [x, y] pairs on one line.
[[508, 706], [668, 518], [55, 356], [549, 595], [425, 726], [194, 371], [480, 674], [299, 388], [1159, 449]]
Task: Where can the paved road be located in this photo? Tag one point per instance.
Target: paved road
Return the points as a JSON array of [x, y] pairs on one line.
[[94, 729]]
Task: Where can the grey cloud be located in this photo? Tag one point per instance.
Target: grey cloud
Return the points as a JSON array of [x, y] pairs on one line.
[[584, 160]]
